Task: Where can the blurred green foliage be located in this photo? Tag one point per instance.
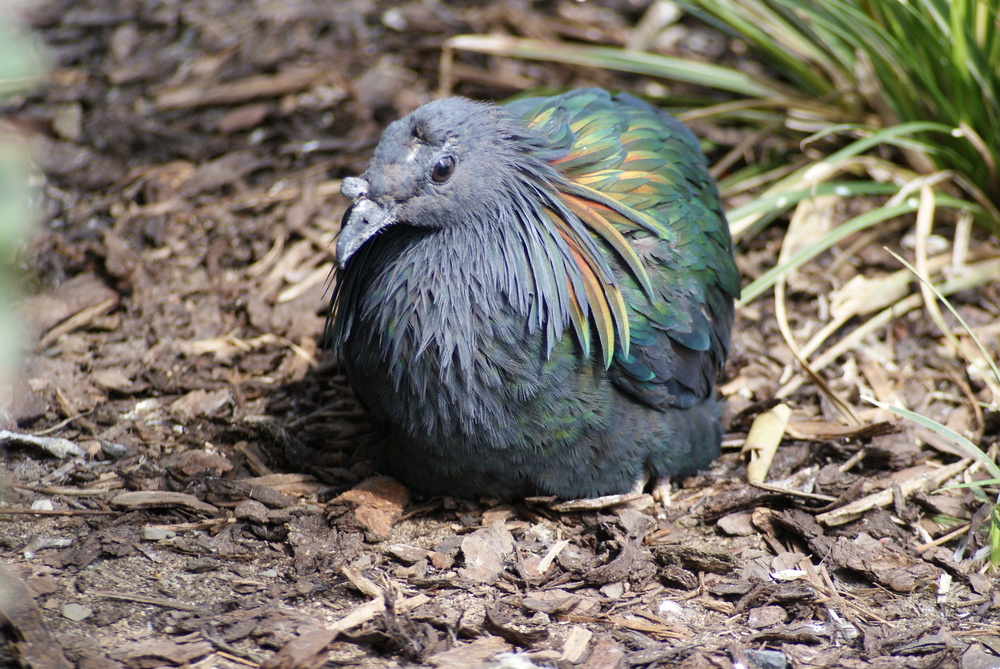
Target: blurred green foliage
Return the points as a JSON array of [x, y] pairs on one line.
[[21, 68]]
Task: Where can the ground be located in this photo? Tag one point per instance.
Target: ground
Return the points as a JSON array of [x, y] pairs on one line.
[[187, 507]]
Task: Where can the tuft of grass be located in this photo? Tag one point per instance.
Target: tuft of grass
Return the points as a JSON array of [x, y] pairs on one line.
[[887, 63], [978, 487], [916, 81]]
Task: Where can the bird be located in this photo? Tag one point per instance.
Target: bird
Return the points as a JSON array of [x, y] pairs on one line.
[[536, 298]]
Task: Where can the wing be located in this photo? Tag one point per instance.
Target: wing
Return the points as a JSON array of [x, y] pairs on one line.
[[637, 180]]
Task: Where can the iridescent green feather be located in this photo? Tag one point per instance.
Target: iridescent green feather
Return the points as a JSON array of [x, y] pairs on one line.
[[634, 180]]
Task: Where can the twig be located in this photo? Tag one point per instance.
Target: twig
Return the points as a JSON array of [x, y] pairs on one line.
[[66, 491], [142, 599], [931, 479], [944, 538], [794, 493], [60, 512]]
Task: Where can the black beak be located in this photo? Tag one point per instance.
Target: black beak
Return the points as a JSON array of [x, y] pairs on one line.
[[365, 219]]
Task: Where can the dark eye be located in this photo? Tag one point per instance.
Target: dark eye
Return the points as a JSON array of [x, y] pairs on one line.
[[443, 169]]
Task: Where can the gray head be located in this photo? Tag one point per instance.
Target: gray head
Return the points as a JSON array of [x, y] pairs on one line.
[[443, 165]]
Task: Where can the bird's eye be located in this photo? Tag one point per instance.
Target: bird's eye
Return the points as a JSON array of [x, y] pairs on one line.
[[443, 169]]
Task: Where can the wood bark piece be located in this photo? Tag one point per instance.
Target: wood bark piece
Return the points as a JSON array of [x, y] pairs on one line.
[[927, 481], [56, 446], [157, 652], [606, 655], [306, 652], [485, 552], [471, 655], [243, 90], [595, 503], [34, 646], [373, 507], [151, 499], [575, 646]]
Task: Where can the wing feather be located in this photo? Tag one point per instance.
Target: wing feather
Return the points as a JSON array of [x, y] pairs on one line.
[[651, 249]]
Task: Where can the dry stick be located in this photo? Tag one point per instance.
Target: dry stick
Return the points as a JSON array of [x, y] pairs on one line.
[[853, 460], [880, 294], [445, 70], [63, 423], [826, 586], [767, 487], [291, 191], [848, 603], [979, 273], [59, 512], [361, 582], [943, 539], [305, 650], [199, 525], [971, 398], [887, 291], [781, 316], [742, 149], [243, 90], [236, 658], [62, 490], [142, 599], [76, 321], [932, 479]]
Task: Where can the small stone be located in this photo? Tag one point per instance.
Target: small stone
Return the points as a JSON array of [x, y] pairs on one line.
[[157, 534], [42, 505], [766, 659], [76, 612], [440, 560], [473, 654], [408, 554], [202, 565], [485, 552], [978, 657], [543, 656]]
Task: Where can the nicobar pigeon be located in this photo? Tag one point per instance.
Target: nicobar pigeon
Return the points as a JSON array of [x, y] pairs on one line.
[[536, 299]]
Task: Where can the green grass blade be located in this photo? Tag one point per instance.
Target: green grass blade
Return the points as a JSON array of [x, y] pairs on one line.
[[970, 449], [712, 76], [954, 312]]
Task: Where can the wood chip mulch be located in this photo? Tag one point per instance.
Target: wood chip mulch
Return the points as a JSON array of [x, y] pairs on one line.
[[187, 477]]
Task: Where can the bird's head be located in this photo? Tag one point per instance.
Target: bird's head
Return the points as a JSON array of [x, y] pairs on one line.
[[439, 167]]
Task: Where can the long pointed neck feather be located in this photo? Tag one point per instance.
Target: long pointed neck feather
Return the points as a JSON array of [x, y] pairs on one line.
[[543, 252]]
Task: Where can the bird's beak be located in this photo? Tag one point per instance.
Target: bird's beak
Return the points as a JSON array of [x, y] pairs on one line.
[[363, 220]]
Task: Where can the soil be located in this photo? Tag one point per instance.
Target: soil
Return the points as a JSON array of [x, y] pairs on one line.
[[187, 475]]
